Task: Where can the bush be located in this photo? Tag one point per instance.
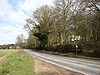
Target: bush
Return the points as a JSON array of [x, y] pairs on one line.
[[96, 53], [64, 48], [49, 48], [59, 48], [68, 48]]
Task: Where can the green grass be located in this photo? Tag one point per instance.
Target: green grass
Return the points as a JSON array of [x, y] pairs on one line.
[[5, 51], [18, 64]]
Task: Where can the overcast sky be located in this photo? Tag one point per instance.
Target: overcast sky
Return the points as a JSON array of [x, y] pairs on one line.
[[12, 17]]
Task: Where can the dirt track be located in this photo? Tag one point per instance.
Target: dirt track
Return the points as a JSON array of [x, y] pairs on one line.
[[44, 68]]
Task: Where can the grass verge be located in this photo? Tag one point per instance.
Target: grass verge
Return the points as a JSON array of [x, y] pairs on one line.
[[17, 63]]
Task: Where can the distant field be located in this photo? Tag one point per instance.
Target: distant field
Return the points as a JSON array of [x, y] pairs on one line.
[[18, 63], [5, 51]]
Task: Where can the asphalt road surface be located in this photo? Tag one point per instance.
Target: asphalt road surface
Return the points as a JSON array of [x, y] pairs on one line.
[[85, 66]]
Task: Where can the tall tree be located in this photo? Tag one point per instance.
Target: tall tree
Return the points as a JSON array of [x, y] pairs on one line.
[[20, 41], [87, 21], [63, 11], [31, 42], [40, 24]]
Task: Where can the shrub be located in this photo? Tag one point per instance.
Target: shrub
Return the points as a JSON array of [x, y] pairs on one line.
[[64, 48], [67, 48], [49, 48], [96, 53], [59, 48]]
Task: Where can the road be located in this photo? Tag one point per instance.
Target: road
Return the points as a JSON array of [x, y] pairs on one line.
[[84, 66]]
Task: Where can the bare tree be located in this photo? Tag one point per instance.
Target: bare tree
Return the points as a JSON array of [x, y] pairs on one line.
[[20, 41]]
